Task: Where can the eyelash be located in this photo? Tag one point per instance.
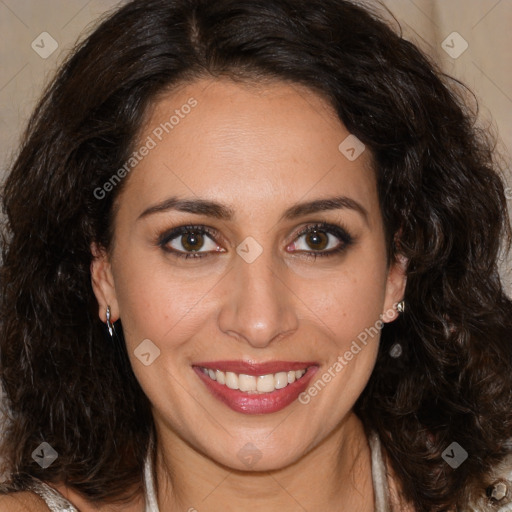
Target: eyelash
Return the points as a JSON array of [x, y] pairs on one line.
[[339, 232]]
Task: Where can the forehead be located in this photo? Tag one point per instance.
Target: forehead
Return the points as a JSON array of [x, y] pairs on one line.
[[247, 144]]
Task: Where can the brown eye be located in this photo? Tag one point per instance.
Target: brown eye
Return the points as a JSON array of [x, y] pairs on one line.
[[189, 242], [192, 241], [317, 240], [322, 239]]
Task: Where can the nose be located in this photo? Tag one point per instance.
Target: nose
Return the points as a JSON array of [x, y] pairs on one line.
[[258, 307]]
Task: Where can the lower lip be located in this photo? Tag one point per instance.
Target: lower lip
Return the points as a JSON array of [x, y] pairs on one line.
[[264, 403]]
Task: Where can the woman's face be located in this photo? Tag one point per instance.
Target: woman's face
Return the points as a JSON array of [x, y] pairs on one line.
[[254, 167]]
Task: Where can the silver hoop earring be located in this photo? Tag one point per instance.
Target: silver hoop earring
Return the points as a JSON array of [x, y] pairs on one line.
[[400, 307], [109, 323]]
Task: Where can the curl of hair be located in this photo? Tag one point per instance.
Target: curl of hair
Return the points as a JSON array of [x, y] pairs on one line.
[[441, 197]]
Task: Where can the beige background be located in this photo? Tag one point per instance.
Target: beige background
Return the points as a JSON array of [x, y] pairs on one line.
[[486, 65]]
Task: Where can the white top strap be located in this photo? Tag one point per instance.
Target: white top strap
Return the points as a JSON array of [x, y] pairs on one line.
[[54, 499], [379, 475], [151, 501]]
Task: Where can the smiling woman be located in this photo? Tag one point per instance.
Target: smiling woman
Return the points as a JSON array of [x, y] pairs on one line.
[[251, 278]]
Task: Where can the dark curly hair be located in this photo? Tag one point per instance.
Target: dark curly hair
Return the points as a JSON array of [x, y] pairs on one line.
[[441, 197]]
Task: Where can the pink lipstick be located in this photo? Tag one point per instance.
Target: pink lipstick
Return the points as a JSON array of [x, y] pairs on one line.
[[256, 388]]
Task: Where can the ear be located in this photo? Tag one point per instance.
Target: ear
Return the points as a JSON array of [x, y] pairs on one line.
[[103, 285], [395, 288]]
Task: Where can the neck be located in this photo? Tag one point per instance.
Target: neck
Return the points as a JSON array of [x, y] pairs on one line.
[[335, 472]]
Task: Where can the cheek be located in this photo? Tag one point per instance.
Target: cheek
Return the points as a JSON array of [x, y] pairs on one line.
[[156, 301], [349, 299], [347, 308], [169, 311]]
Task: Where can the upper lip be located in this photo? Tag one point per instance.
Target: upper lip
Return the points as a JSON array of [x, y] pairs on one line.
[[252, 368]]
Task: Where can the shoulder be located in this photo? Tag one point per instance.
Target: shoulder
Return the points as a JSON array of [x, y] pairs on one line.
[[22, 501]]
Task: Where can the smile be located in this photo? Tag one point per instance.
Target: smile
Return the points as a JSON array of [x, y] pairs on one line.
[[256, 388], [254, 384]]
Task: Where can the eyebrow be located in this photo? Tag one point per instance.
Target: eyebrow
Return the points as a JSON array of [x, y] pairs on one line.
[[224, 212]]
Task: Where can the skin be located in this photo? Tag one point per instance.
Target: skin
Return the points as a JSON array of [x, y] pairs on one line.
[[258, 150]]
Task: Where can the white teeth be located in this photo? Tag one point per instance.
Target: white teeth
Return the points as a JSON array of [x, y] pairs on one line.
[[281, 380], [231, 380], [247, 382], [221, 377], [252, 384], [266, 383]]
